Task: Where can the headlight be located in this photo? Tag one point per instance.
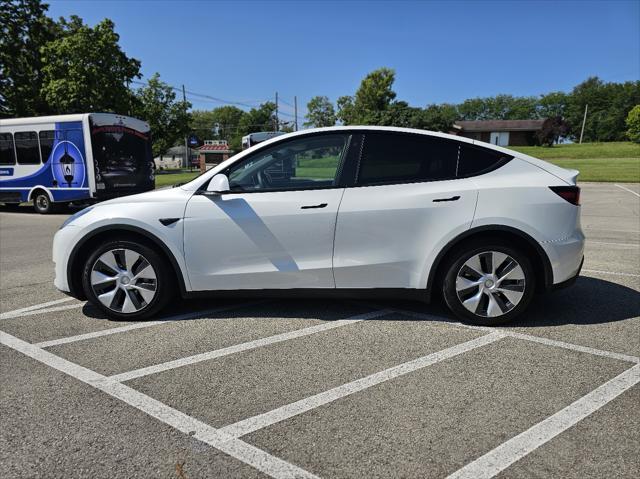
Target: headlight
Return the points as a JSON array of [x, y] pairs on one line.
[[76, 216]]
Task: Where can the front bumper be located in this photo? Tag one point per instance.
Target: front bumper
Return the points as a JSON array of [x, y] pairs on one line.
[[63, 243]]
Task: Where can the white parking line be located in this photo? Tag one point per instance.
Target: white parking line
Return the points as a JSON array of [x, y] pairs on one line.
[[45, 310], [525, 337], [514, 449], [261, 421], [614, 273], [130, 327], [627, 189], [157, 368], [11, 314], [634, 245], [248, 454]]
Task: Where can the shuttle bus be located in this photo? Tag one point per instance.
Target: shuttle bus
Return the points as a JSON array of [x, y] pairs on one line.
[[254, 138], [73, 158]]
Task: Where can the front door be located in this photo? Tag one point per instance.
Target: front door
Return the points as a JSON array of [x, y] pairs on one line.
[[275, 228]]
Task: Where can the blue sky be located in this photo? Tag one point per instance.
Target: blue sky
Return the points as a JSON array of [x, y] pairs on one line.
[[441, 51]]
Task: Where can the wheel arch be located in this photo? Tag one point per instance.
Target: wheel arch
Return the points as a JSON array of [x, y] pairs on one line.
[[40, 187], [122, 231], [540, 260]]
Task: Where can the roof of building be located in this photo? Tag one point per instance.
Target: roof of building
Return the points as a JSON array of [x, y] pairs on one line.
[[214, 148], [499, 125]]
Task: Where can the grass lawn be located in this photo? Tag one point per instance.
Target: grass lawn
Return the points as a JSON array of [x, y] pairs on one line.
[[172, 177], [615, 161]]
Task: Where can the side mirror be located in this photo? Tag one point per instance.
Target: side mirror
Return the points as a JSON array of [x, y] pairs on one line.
[[218, 184]]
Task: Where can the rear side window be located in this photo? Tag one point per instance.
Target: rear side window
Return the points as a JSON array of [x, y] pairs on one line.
[[475, 160], [27, 149], [403, 158], [47, 138], [7, 155]]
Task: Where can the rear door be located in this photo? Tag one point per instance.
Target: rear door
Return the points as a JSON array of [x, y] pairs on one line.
[[407, 201]]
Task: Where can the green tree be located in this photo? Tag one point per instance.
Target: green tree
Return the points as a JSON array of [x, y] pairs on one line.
[[24, 30], [439, 117], [609, 105], [633, 124], [552, 104], [499, 107], [320, 112], [346, 113], [262, 118], [222, 123], [85, 70], [374, 96], [169, 120]]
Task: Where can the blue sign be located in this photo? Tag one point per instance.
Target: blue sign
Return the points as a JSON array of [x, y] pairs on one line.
[[6, 171], [193, 140]]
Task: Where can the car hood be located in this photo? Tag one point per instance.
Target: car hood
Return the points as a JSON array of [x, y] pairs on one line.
[[154, 196]]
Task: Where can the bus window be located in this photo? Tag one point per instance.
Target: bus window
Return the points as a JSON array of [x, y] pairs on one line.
[[27, 149], [47, 138], [7, 155]]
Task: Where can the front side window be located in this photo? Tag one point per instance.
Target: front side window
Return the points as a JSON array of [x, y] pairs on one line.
[[7, 155], [401, 158], [27, 148], [304, 163]]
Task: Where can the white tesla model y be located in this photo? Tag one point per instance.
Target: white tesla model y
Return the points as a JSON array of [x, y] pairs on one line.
[[343, 210]]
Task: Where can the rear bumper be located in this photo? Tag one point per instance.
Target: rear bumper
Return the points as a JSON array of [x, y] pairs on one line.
[[565, 256], [568, 282]]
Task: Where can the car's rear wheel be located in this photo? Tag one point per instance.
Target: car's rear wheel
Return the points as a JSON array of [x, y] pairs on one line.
[[488, 283], [127, 280]]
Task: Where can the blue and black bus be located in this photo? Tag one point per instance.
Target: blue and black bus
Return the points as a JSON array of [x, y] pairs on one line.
[[73, 158]]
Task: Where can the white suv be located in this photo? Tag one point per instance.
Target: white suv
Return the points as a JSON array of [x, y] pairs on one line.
[[344, 210]]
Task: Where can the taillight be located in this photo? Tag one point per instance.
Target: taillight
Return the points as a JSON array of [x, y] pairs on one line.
[[568, 193]]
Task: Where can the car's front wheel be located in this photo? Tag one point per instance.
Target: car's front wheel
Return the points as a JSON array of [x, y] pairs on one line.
[[488, 283], [127, 280]]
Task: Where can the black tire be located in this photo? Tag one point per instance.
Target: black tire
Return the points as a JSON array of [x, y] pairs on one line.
[[42, 203], [456, 261], [164, 279]]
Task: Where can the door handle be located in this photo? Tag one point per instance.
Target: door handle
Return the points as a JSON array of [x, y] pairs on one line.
[[308, 207], [453, 198]]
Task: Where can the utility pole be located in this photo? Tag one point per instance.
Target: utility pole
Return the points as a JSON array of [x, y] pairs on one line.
[[186, 145], [584, 120], [275, 127], [295, 110]]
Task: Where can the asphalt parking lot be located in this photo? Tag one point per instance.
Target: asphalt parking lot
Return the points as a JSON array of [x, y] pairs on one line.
[[306, 388]]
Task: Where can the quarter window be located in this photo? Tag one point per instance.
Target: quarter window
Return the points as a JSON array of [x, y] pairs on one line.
[[401, 158], [305, 163], [27, 149], [7, 153], [475, 160]]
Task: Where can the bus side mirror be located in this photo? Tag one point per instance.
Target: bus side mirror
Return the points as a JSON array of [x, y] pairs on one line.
[[218, 184]]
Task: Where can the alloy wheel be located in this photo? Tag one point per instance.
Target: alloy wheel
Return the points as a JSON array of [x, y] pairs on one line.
[[124, 280], [490, 284]]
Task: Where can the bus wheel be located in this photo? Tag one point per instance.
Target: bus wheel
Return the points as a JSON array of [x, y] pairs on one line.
[[41, 203]]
